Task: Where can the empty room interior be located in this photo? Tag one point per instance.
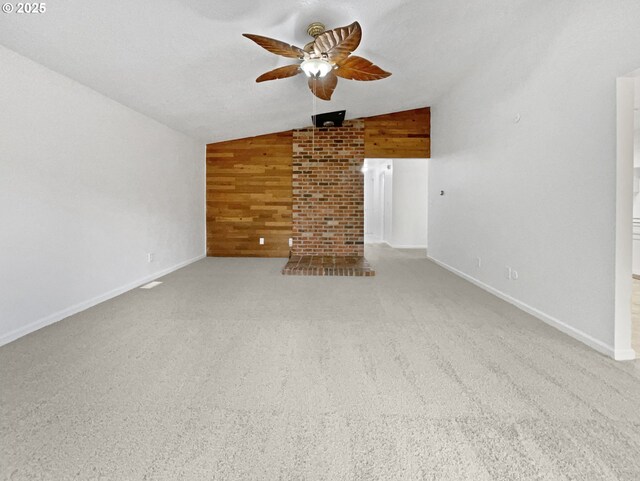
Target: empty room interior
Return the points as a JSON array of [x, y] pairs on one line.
[[320, 240]]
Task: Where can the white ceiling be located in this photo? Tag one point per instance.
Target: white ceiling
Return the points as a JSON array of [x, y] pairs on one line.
[[185, 63]]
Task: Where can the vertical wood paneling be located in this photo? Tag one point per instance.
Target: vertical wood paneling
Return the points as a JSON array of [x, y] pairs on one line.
[[249, 196], [401, 135]]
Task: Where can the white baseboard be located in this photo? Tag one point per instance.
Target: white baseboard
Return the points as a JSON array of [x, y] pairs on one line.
[[402, 246], [618, 355], [70, 311]]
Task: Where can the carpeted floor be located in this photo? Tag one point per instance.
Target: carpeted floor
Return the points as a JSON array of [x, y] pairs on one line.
[[231, 371]]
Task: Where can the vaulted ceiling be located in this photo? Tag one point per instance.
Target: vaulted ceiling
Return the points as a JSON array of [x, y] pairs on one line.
[[186, 64]]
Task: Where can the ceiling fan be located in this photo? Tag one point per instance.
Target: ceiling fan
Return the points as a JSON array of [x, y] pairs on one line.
[[324, 59]]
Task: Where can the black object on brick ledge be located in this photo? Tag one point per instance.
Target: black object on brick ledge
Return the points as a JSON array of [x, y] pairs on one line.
[[330, 119]]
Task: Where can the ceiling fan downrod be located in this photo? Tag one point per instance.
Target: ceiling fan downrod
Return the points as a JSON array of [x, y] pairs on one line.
[[316, 28]]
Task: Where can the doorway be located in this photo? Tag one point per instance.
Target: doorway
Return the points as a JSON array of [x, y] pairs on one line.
[[396, 202]]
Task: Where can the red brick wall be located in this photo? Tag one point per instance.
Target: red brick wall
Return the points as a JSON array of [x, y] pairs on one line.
[[328, 190]]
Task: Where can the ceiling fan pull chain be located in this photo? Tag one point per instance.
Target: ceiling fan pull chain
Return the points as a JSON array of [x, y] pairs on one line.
[[313, 127]]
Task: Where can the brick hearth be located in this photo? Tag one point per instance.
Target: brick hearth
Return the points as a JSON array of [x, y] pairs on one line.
[[328, 266]]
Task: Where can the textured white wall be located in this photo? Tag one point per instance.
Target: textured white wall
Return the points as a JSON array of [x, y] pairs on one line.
[[636, 142], [410, 199], [87, 188], [371, 195], [538, 195], [637, 122]]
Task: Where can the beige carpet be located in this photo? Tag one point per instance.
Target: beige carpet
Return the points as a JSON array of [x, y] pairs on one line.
[[231, 371]]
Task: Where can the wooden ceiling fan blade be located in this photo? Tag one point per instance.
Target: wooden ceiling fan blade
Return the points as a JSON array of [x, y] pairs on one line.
[[358, 68], [276, 46], [339, 42], [280, 72], [323, 87]]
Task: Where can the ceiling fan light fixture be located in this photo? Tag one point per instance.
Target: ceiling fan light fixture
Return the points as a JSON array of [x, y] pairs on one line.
[[316, 67]]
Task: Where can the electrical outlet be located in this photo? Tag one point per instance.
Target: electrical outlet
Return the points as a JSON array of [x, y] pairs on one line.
[[261, 241], [150, 257], [290, 242], [507, 272], [514, 275]]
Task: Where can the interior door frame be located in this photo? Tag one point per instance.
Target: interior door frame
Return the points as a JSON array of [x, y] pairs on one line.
[[625, 98]]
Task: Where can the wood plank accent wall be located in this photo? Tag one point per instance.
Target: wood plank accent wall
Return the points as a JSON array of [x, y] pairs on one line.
[[249, 181], [249, 195], [401, 135]]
